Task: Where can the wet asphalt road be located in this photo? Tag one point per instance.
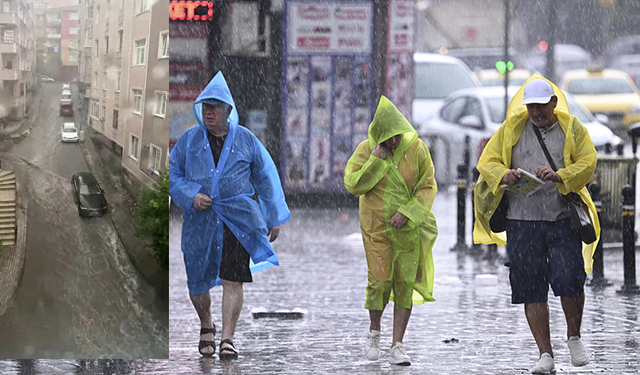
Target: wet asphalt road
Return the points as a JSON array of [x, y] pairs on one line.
[[80, 296], [323, 271]]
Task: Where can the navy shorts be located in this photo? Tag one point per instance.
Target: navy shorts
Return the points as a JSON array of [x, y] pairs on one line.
[[543, 253], [235, 259]]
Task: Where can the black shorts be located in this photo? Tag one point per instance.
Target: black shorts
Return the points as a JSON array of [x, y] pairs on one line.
[[235, 260]]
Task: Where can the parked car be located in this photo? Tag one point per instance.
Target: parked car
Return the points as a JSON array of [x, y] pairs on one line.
[[69, 132], [66, 86], [66, 103], [435, 77], [44, 78], [477, 113], [88, 195], [605, 91], [629, 64], [567, 57]]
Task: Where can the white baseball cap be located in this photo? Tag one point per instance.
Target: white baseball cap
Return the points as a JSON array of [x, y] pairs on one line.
[[538, 91]]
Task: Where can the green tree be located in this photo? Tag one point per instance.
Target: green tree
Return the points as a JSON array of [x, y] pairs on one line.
[[152, 220]]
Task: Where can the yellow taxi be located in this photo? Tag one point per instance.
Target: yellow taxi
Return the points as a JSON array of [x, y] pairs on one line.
[[605, 91]]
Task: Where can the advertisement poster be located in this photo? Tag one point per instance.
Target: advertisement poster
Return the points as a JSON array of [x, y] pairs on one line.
[[327, 92], [189, 73], [399, 71]]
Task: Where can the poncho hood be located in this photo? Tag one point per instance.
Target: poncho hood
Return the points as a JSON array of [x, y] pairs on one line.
[[388, 122], [216, 89], [517, 110]]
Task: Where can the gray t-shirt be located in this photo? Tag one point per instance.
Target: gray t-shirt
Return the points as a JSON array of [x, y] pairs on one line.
[[544, 204]]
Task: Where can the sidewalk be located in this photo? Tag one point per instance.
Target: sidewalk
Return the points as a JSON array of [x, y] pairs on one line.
[[472, 328]]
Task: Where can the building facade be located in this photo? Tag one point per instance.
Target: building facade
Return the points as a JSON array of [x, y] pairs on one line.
[[124, 76], [18, 58]]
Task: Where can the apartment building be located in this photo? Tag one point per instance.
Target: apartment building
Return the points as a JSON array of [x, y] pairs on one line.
[[124, 70], [56, 31], [18, 58]]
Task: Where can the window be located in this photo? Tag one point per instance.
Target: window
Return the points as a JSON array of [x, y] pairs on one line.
[[137, 100], [141, 6], [73, 16], [94, 110], [163, 49], [133, 147], [120, 35], [155, 159], [114, 122], [161, 103], [118, 80], [140, 52], [106, 44], [97, 48]]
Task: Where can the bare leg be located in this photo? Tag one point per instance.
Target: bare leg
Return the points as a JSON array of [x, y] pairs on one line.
[[375, 316], [538, 318], [401, 317], [202, 304], [232, 301], [573, 308]]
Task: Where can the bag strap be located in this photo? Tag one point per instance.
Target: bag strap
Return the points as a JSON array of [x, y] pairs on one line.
[[544, 148]]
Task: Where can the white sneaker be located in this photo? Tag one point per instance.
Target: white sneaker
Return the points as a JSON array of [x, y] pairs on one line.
[[397, 355], [372, 346], [579, 355], [545, 365]]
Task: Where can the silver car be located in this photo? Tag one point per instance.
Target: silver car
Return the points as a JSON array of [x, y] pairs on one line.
[[469, 117]]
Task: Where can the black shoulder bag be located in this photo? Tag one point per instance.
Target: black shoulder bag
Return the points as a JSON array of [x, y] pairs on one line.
[[577, 209]]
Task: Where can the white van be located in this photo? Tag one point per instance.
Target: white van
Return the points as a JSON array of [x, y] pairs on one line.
[[435, 76]]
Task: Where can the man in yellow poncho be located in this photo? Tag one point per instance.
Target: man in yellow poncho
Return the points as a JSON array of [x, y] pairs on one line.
[[541, 246], [393, 174]]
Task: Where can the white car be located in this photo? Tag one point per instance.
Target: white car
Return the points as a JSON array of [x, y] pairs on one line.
[[66, 86], [477, 113], [69, 132], [435, 77]]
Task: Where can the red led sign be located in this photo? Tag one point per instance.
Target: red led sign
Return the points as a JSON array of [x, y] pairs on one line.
[[191, 10]]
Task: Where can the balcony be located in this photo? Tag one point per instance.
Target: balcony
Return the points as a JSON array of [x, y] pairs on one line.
[[10, 74], [9, 48], [8, 18]]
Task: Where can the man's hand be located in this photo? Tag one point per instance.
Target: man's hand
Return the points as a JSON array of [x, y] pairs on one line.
[[273, 233], [511, 177], [201, 202], [545, 173], [398, 220], [379, 151]]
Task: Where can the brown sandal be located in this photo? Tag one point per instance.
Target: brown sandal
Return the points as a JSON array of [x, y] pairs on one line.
[[204, 343]]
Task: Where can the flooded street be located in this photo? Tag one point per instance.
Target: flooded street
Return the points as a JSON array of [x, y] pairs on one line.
[[79, 295]]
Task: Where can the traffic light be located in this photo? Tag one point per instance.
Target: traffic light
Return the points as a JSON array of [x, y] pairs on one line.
[[502, 67], [543, 45]]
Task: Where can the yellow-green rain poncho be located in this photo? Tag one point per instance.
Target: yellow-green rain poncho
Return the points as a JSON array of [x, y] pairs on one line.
[[579, 160], [400, 261]]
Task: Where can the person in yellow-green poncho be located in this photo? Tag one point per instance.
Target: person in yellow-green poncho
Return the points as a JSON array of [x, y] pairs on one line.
[[392, 173]]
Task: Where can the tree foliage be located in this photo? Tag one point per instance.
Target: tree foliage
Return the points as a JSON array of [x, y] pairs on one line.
[[152, 220]]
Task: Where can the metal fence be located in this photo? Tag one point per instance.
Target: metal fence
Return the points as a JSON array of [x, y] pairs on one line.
[[613, 173]]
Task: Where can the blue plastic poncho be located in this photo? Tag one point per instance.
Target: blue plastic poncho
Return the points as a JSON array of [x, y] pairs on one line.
[[244, 163]]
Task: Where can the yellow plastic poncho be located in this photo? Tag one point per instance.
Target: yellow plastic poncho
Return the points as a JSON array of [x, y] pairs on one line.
[[400, 261], [579, 159]]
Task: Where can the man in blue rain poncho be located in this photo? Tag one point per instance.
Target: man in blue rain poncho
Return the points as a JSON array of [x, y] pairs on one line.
[[213, 170]]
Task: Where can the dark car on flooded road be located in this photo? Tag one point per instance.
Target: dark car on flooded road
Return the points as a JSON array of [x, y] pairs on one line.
[[88, 195]]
